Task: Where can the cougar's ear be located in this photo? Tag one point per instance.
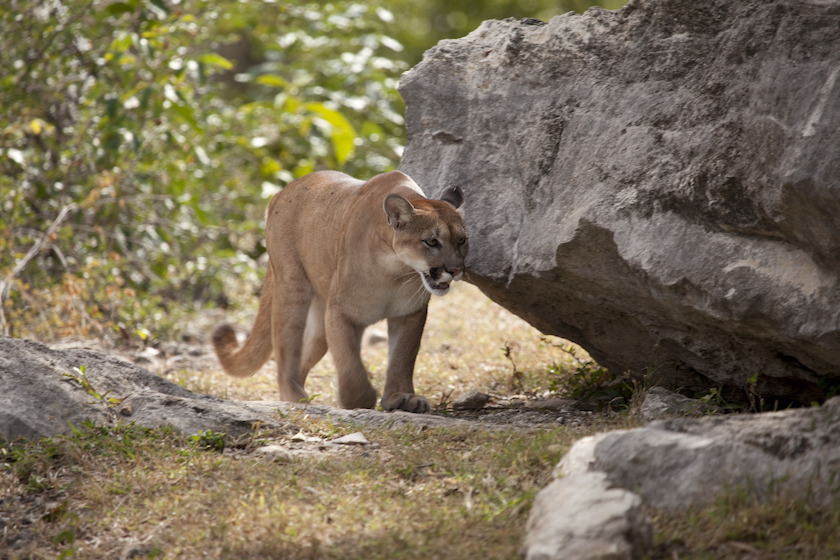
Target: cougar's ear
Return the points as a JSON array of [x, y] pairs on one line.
[[453, 195], [398, 210]]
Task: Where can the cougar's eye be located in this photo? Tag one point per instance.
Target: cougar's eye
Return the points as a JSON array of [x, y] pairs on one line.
[[431, 242], [462, 241]]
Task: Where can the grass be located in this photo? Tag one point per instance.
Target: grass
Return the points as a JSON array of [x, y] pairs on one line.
[[427, 493], [128, 492], [740, 526]]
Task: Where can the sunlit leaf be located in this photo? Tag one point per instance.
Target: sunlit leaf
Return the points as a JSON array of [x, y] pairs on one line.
[[213, 59], [343, 134], [121, 43], [304, 167], [271, 80]]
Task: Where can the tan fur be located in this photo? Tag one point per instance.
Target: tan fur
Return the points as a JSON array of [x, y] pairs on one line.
[[343, 254]]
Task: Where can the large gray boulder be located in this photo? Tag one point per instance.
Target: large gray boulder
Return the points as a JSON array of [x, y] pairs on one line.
[[660, 184]]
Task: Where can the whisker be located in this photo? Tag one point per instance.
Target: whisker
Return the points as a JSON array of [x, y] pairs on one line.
[[419, 292]]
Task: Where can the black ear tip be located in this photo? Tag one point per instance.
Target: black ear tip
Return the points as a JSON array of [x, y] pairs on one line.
[[453, 195]]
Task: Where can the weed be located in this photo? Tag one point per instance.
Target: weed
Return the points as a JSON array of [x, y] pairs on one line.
[[208, 439], [83, 381], [590, 382]]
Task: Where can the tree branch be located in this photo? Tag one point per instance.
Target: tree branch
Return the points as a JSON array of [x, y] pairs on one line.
[[4, 285]]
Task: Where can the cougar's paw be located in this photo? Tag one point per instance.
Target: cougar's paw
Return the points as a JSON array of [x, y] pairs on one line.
[[409, 402]]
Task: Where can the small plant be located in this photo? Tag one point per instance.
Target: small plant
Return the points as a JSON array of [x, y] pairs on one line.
[[516, 376], [590, 382], [83, 380], [208, 439]]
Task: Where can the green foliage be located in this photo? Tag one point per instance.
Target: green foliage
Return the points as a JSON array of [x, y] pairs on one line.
[[208, 439], [32, 462], [147, 135], [591, 383], [83, 381], [165, 147], [419, 25]]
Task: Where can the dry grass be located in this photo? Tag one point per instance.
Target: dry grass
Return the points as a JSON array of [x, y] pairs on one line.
[[415, 494], [463, 348], [738, 526]]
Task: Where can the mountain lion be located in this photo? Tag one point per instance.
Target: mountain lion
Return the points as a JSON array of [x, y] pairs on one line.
[[343, 254]]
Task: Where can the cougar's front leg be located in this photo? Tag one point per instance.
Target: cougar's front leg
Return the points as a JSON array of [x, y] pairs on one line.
[[404, 334], [345, 342]]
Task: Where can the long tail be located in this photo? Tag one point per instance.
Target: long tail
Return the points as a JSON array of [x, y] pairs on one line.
[[245, 361]]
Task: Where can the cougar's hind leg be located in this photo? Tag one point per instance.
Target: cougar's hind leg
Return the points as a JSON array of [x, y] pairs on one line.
[[290, 307], [314, 337]]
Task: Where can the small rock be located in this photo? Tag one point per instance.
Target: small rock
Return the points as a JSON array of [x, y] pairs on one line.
[[146, 356], [474, 400], [300, 436], [126, 409], [661, 403], [375, 336], [551, 403], [274, 452], [356, 438]]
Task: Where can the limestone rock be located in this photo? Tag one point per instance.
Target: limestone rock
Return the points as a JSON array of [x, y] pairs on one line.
[[660, 184], [356, 438], [581, 518], [38, 399], [660, 402], [683, 461], [474, 400]]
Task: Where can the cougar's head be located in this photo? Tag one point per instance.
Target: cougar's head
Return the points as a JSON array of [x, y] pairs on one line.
[[429, 236]]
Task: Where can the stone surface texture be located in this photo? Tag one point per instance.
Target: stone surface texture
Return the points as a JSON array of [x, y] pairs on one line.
[[660, 184], [683, 461], [581, 518], [473, 400], [38, 399], [662, 403]]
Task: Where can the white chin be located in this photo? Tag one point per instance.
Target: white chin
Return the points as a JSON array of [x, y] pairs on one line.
[[439, 291], [435, 290]]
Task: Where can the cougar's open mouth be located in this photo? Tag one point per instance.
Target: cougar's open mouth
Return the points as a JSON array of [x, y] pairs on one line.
[[435, 285]]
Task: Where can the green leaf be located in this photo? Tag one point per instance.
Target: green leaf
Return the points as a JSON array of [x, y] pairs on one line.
[[213, 59], [116, 9], [343, 134], [121, 42], [271, 80], [186, 113]]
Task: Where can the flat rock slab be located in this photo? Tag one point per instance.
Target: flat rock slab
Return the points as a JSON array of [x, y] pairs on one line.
[[659, 184], [39, 396], [42, 393]]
